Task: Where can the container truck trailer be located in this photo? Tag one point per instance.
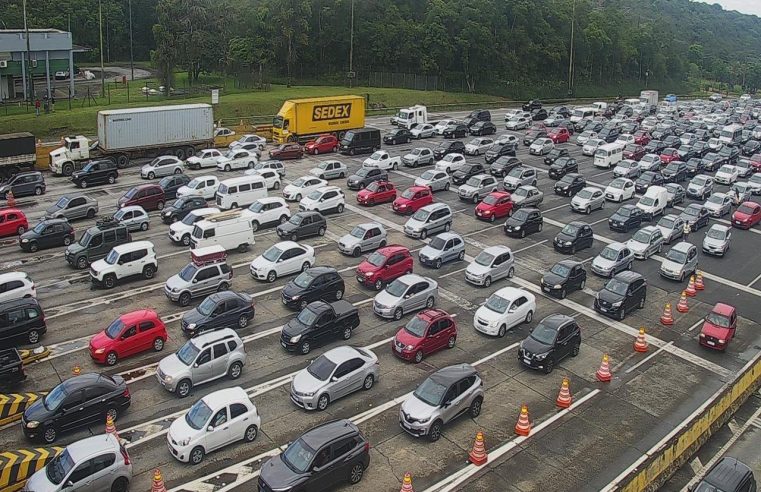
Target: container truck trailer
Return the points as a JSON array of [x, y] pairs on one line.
[[17, 153], [300, 120]]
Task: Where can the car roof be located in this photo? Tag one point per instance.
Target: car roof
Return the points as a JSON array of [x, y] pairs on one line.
[[724, 309], [87, 380], [431, 207], [287, 244], [148, 186], [132, 208], [683, 246], [497, 250], [627, 276], [451, 374], [224, 397], [271, 199], [616, 246], [328, 188], [341, 354], [412, 278], [16, 303], [123, 248], [556, 320], [448, 235], [509, 292], [90, 446], [139, 314], [212, 336], [5, 277], [727, 474], [569, 263], [369, 225], [321, 270], [392, 249], [650, 229], [329, 432], [19, 211], [721, 227]]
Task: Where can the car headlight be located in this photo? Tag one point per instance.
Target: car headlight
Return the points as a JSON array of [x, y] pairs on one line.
[[423, 421], [565, 188], [541, 356], [32, 424], [369, 274], [557, 286], [25, 240], [309, 393], [167, 213], [617, 304], [296, 339], [100, 351], [721, 340], [175, 289], [184, 442], [295, 298], [192, 326], [517, 228], [409, 347], [168, 379]]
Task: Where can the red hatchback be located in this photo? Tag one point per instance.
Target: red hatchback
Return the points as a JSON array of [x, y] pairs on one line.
[[129, 334], [384, 265], [668, 155], [634, 152], [495, 205], [287, 151], [322, 145], [12, 222], [559, 135], [642, 138], [719, 327], [148, 196], [755, 162], [377, 192], [413, 199], [747, 215], [429, 331]]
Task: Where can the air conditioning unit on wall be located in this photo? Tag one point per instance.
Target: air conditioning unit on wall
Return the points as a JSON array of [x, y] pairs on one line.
[[3, 63]]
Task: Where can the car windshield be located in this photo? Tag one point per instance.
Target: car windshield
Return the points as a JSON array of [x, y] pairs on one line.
[[256, 207], [295, 220], [715, 233], [362, 172], [112, 257], [299, 182], [315, 195], [40, 227], [718, 319], [490, 199], [321, 368], [198, 415], [193, 183], [303, 280], [699, 181], [397, 288], [272, 254], [484, 259], [207, 306], [474, 182], [430, 392], [560, 270], [59, 467], [409, 193], [372, 186], [188, 272], [647, 201], [624, 211], [717, 199], [585, 194], [55, 397], [568, 180], [521, 215], [497, 304], [416, 327], [677, 256], [641, 237], [298, 456], [62, 202], [421, 215], [307, 317], [570, 229], [609, 253], [617, 287], [187, 353], [85, 239], [745, 209], [376, 259], [437, 243], [166, 181], [617, 184], [544, 334], [693, 211], [428, 175]]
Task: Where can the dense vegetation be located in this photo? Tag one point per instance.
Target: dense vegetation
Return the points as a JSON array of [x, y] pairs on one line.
[[501, 46]]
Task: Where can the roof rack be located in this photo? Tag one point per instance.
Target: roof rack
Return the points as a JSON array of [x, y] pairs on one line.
[[107, 222], [208, 255], [226, 215]]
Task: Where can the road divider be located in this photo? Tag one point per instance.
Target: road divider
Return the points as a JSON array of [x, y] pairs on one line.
[[17, 466], [32, 355], [12, 405]]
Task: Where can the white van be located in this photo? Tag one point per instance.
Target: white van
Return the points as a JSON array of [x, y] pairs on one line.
[[241, 192], [230, 229], [654, 201], [731, 134], [580, 114], [609, 155]]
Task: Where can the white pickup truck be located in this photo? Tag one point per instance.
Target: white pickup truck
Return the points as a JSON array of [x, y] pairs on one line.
[[382, 160]]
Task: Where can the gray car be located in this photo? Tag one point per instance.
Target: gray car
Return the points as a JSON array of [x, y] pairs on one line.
[[588, 199], [716, 240], [72, 207], [493, 263], [419, 156], [435, 180], [627, 169], [614, 258], [527, 196], [333, 375], [442, 397], [363, 238], [681, 261], [163, 165], [718, 204], [443, 248], [134, 217], [330, 170], [519, 176], [700, 187], [202, 359], [197, 280], [477, 187], [672, 227], [404, 295], [429, 220], [646, 242]]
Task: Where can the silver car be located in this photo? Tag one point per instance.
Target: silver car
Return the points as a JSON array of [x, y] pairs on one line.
[[493, 263], [404, 295], [333, 375], [681, 261], [588, 199], [672, 227], [742, 191], [71, 207], [330, 170], [419, 156], [196, 280], [700, 187], [435, 180], [646, 242], [134, 217], [519, 176], [442, 397], [718, 204], [443, 248], [527, 196], [163, 165], [627, 169], [614, 258], [204, 358], [716, 240], [650, 162], [428, 220], [364, 237], [477, 187]]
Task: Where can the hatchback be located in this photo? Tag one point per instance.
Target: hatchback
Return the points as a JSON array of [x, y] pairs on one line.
[[672, 227], [21, 319], [504, 310], [477, 187], [565, 276], [148, 196], [129, 334], [363, 237], [495, 205], [412, 200], [646, 242], [313, 284], [625, 218], [563, 166], [384, 266], [427, 332], [623, 293], [377, 192], [493, 263], [171, 184], [435, 180], [220, 310], [303, 224], [728, 475], [12, 222], [163, 165], [716, 240], [48, 233], [555, 337], [573, 237], [181, 207], [523, 222], [428, 220], [406, 294], [681, 261], [588, 199], [570, 184], [322, 145], [443, 248], [615, 257], [747, 215], [24, 184], [134, 217], [719, 327], [16, 285]]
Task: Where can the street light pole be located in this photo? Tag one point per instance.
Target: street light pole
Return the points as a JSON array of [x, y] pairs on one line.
[[30, 94], [100, 29], [570, 54], [351, 45], [131, 56]]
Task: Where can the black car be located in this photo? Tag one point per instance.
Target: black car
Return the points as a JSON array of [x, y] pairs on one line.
[[504, 165], [303, 224], [539, 114], [96, 172], [319, 322], [532, 135], [48, 233], [457, 130], [570, 184], [497, 151], [77, 402], [565, 276], [555, 337], [655, 147], [562, 110], [399, 135], [444, 148], [563, 166], [672, 141], [623, 293], [313, 284], [220, 310], [592, 126], [466, 172], [626, 218], [24, 184], [323, 458], [532, 105], [661, 133], [21, 320], [731, 154], [364, 176], [713, 161], [477, 115], [523, 222], [685, 153], [555, 154], [646, 180], [674, 172], [483, 128], [728, 475], [182, 207], [694, 166], [700, 149], [573, 237], [170, 184], [751, 147], [610, 135]]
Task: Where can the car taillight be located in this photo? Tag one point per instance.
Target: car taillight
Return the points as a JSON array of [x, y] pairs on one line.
[[125, 455], [367, 446], [126, 393]]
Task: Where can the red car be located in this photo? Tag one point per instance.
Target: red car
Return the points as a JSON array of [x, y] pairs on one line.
[[287, 151], [668, 155], [148, 196], [634, 152], [129, 334], [413, 198], [755, 162], [377, 192], [719, 327], [747, 215], [322, 145], [495, 205], [12, 222], [429, 331], [642, 138], [384, 265], [559, 135]]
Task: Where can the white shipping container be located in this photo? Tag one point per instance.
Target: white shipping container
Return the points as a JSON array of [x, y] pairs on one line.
[[137, 128]]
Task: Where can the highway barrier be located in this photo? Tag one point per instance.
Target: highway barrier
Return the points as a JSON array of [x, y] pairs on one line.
[[17, 466], [12, 405], [33, 355]]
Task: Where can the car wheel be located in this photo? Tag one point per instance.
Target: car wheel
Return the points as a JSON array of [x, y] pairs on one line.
[[575, 349], [321, 232], [196, 456], [158, 344], [502, 331], [475, 407], [111, 179], [323, 402], [588, 210], [271, 276], [33, 247], [511, 272], [418, 357], [430, 302], [109, 281], [222, 287], [356, 473], [447, 226], [305, 347], [294, 237], [461, 256], [49, 435], [91, 213], [38, 191], [357, 252], [339, 295], [523, 233], [83, 184], [378, 284], [529, 317], [33, 336], [446, 187], [235, 370], [423, 234], [242, 321], [622, 314], [184, 299], [111, 358], [487, 281], [82, 263], [398, 313], [452, 340], [437, 265], [120, 485], [641, 303], [144, 226], [151, 175], [340, 208], [298, 198], [549, 365], [435, 431], [183, 388], [369, 382], [346, 333], [251, 432]]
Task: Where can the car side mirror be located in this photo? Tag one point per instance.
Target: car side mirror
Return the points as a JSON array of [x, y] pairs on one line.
[[334, 379], [407, 296], [446, 404], [195, 365], [511, 310], [210, 428], [69, 484]]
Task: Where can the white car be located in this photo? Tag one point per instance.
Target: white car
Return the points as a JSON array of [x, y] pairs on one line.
[[163, 165], [619, 190], [541, 146], [450, 163], [442, 125], [755, 184], [424, 130], [590, 146], [330, 170], [179, 232], [718, 204], [204, 186], [504, 310], [726, 175], [588, 199], [271, 177], [216, 420], [626, 138], [136, 258], [237, 159], [478, 145], [303, 186], [267, 211], [204, 158], [249, 138], [284, 258], [435, 180], [382, 160], [585, 136], [519, 123], [324, 199], [16, 285], [506, 139]]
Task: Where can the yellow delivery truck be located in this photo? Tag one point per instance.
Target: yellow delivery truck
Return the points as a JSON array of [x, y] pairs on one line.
[[300, 120]]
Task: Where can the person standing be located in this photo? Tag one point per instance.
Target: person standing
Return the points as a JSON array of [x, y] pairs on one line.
[[686, 230], [37, 106]]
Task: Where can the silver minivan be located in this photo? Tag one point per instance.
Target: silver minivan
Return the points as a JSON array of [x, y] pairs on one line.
[[429, 220], [681, 261], [493, 263], [404, 295], [363, 238]]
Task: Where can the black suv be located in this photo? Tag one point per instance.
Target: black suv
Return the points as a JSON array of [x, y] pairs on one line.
[[323, 458], [182, 207], [80, 401], [221, 310], [627, 217], [96, 172], [573, 237], [563, 166], [555, 337], [24, 184], [477, 115], [503, 165], [96, 243], [48, 233], [483, 128], [570, 184], [444, 148], [565, 276], [466, 172], [728, 475], [497, 151], [694, 167], [303, 224], [625, 292], [170, 184], [400, 135], [524, 221], [455, 130], [674, 172], [555, 154], [22, 320], [313, 284]]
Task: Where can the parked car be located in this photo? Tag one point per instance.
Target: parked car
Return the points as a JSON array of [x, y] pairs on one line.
[[266, 212], [674, 172], [646, 242], [570, 184], [198, 278], [563, 277], [444, 148], [747, 215], [563, 166], [397, 135], [523, 222], [281, 259], [573, 237], [718, 205], [503, 165], [404, 295], [48, 233], [627, 217], [434, 180], [423, 130], [181, 207], [482, 128], [719, 328], [171, 184], [318, 323], [428, 220], [495, 205], [680, 261], [384, 266], [622, 294], [450, 163], [13, 221], [133, 259], [31, 183], [588, 199], [614, 258], [302, 187], [96, 243], [648, 179], [323, 144], [555, 337], [96, 172], [324, 200], [716, 240], [672, 227], [456, 130], [419, 156], [287, 151], [21, 320], [479, 145], [619, 190], [203, 186], [313, 284], [493, 263], [219, 310], [364, 176], [237, 159], [129, 334], [377, 192], [427, 332], [72, 207], [412, 199], [500, 149], [520, 176], [443, 248], [726, 175], [526, 196]]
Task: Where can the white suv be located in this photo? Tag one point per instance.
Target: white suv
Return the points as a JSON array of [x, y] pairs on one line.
[[16, 285], [323, 199], [214, 421], [267, 211], [126, 260]]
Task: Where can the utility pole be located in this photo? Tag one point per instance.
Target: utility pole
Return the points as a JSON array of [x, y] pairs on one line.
[[351, 45], [570, 54], [100, 29], [131, 56], [30, 93]]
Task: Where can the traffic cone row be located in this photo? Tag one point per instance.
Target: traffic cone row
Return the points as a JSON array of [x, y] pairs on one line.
[[699, 285], [640, 344], [523, 426], [477, 454], [682, 306], [667, 318], [564, 397], [603, 373], [690, 290], [158, 482], [407, 483]]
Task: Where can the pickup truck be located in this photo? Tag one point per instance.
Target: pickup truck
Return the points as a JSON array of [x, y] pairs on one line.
[[320, 321], [11, 368], [382, 160]]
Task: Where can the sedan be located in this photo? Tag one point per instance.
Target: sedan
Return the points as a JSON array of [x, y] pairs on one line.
[[646, 242], [237, 159], [588, 199], [747, 215], [406, 294], [627, 217], [425, 130], [504, 310], [434, 180], [565, 276], [164, 165], [330, 170], [284, 258], [619, 190], [718, 204], [627, 169], [287, 151], [479, 145], [302, 187], [121, 338], [570, 184]]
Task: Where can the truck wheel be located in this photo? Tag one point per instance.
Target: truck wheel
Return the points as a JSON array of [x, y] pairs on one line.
[[180, 154], [67, 169], [121, 161]]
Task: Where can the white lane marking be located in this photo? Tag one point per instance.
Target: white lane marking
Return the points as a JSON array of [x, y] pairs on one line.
[[696, 465], [635, 366], [695, 325], [733, 426], [754, 280]]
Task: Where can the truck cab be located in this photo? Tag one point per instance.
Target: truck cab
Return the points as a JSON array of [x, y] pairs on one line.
[[409, 117], [71, 157]]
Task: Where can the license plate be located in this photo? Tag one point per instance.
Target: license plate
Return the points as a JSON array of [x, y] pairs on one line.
[[711, 343], [283, 344], [605, 310], [398, 348], [546, 289], [360, 279], [284, 301], [527, 361]]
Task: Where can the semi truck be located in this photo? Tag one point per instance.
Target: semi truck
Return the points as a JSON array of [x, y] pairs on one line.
[[409, 117], [125, 134], [17, 152], [300, 120]]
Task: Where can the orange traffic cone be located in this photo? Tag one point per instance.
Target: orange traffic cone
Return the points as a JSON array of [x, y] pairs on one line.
[[110, 427], [564, 397], [158, 482], [603, 373], [640, 344], [523, 426], [10, 199], [407, 483], [690, 290], [666, 318], [699, 285], [477, 455], [76, 370], [682, 306]]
